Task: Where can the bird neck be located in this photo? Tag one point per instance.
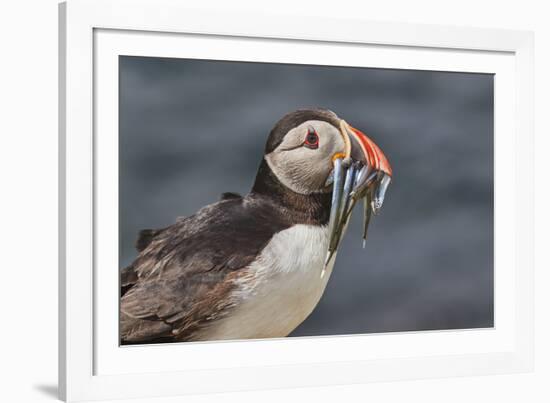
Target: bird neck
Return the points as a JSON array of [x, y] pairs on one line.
[[313, 209]]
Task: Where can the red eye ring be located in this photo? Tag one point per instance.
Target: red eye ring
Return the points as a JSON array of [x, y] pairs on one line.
[[312, 139]]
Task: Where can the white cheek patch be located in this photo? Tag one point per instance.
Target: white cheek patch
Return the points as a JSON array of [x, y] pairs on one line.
[[295, 173], [302, 169]]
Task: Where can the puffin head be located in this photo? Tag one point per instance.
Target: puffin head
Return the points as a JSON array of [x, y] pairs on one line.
[[303, 146], [313, 151]]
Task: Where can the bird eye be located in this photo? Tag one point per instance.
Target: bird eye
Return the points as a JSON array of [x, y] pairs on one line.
[[312, 139]]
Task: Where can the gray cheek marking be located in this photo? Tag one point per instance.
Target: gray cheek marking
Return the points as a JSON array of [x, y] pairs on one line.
[[286, 179], [301, 169]]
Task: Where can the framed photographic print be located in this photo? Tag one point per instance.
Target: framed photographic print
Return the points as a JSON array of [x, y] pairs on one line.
[[256, 202]]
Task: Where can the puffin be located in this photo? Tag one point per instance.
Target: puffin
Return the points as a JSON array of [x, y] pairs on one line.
[[255, 266]]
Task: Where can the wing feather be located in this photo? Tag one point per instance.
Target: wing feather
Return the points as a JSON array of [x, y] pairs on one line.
[[183, 278]]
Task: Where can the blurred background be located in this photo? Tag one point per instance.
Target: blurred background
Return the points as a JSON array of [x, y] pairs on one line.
[[192, 129]]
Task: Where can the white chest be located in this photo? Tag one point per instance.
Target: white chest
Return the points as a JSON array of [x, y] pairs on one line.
[[281, 288]]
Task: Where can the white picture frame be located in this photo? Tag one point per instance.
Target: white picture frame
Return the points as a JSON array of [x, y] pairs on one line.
[[92, 365]]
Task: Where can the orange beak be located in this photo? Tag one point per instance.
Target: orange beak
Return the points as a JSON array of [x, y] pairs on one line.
[[367, 151]]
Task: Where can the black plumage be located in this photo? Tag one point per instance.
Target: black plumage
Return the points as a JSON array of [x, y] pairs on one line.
[[183, 277]]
